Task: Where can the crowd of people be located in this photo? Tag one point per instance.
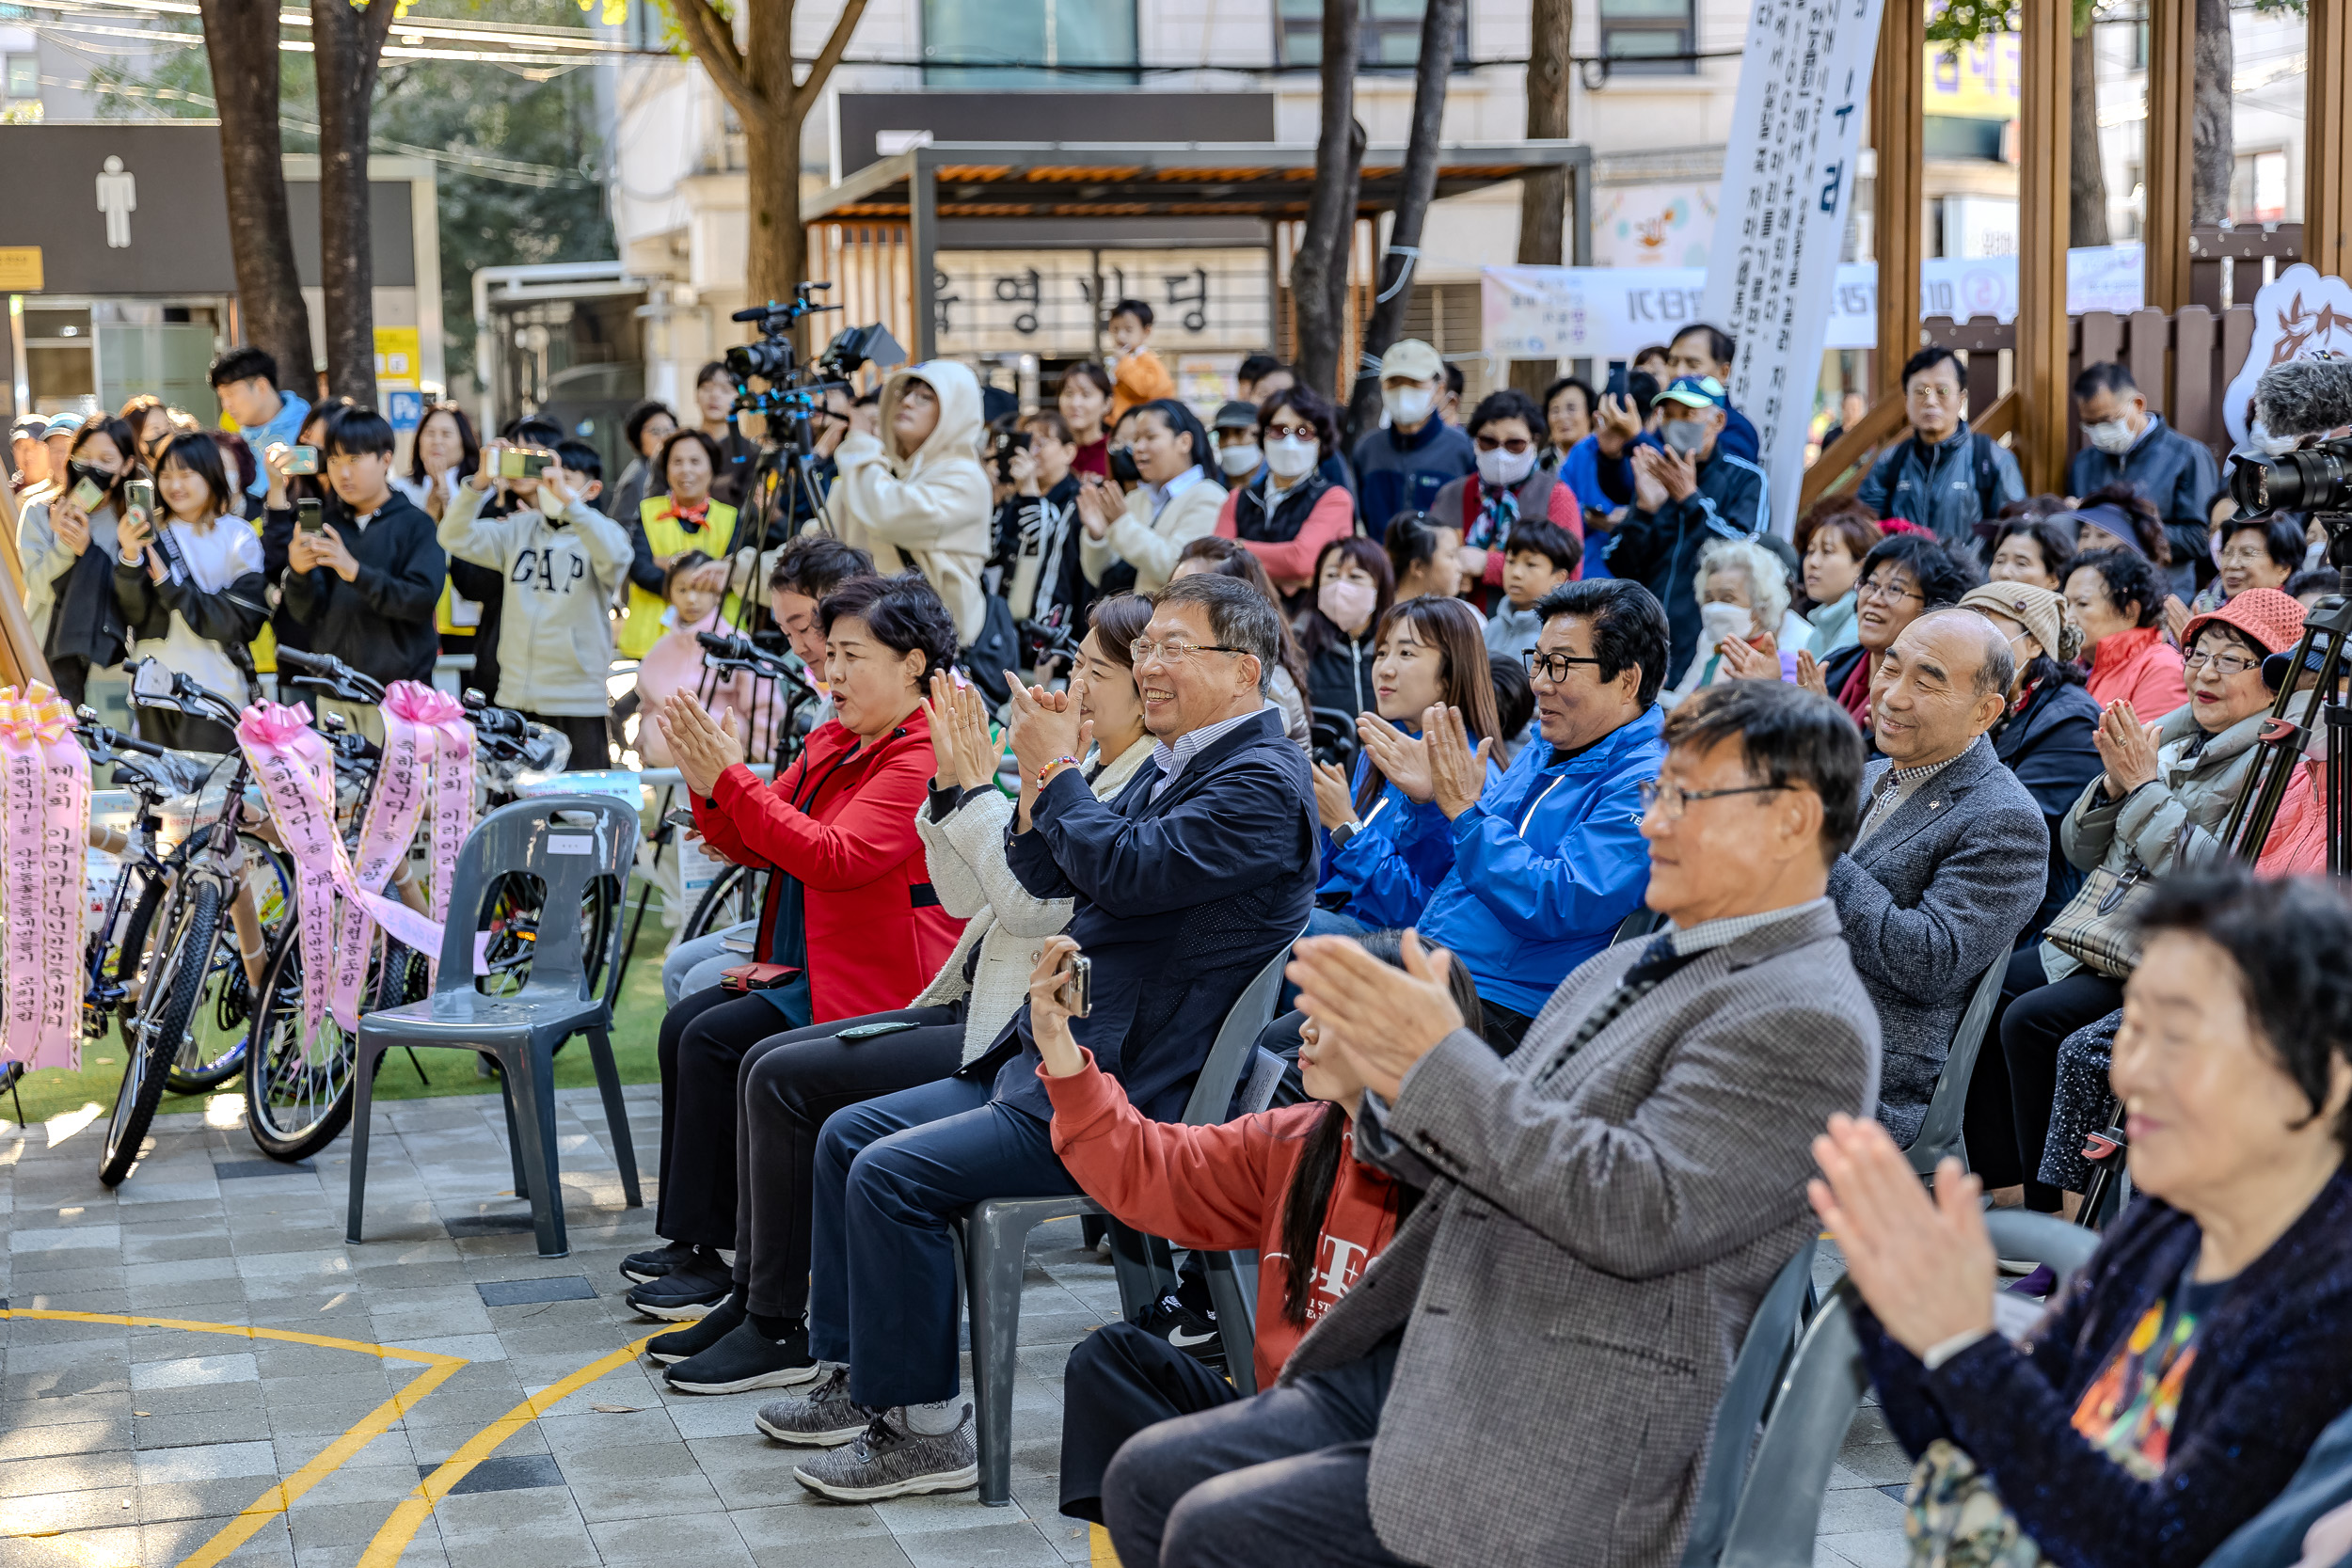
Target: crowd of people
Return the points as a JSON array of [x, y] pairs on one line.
[[1121, 707]]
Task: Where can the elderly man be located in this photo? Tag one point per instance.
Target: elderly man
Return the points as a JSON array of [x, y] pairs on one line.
[[1186, 885], [1685, 488], [1527, 1375], [1953, 854], [1945, 477], [2126, 443]]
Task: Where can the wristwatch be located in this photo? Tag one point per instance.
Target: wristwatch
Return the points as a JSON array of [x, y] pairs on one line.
[[1345, 831]]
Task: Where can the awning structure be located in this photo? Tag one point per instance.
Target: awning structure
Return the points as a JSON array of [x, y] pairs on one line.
[[877, 233]]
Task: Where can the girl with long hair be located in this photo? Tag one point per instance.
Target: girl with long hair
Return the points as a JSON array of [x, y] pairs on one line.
[[67, 549], [188, 585], [1340, 632]]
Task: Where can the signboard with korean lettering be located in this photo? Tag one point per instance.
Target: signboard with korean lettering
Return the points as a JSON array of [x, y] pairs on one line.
[[1043, 302], [1788, 187]]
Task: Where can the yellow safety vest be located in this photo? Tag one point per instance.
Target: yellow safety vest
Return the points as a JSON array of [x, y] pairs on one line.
[[644, 628]]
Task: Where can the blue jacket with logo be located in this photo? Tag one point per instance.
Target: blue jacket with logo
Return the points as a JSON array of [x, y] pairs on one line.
[[1389, 867], [1547, 864]]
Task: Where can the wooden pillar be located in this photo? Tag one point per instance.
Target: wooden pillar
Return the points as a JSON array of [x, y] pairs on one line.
[[2327, 124], [2171, 89], [923, 259], [2044, 150], [1898, 136]]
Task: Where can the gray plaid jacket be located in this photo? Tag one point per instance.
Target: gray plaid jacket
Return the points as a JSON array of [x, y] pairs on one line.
[[1596, 1233]]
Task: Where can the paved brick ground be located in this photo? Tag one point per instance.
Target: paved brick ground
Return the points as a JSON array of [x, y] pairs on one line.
[[124, 1446]]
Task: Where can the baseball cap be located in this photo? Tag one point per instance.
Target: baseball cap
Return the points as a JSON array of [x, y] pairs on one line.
[[1235, 414], [1412, 359], [64, 425], [1696, 391], [29, 427]]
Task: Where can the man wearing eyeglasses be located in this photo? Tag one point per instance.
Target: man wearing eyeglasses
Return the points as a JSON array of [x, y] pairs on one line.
[[1548, 860], [1945, 477], [1184, 886]]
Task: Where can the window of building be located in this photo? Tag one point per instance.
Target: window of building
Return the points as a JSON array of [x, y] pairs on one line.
[[1030, 43], [23, 75], [2258, 187], [1643, 38], [1387, 35], [1957, 136]]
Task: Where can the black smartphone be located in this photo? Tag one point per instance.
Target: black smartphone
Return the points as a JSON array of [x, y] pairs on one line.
[[310, 515], [869, 1031], [680, 818]]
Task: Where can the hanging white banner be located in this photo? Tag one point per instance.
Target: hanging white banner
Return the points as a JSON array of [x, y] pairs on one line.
[[1797, 124]]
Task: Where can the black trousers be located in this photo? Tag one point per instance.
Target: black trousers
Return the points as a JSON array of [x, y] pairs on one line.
[[787, 1086], [1280, 1479], [2016, 1078], [704, 1040], [592, 741], [1120, 1380]]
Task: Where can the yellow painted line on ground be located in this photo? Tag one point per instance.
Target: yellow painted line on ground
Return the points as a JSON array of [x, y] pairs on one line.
[[392, 1540], [438, 1369], [1099, 1548]]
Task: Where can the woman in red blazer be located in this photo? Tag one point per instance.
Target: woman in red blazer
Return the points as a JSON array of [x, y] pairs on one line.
[[851, 924]]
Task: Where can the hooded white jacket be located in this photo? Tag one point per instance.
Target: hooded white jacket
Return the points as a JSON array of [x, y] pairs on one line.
[[555, 637], [931, 510]]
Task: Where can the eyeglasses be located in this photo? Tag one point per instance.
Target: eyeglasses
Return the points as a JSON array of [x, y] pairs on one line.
[[2243, 558], [1553, 667], [1890, 592], [1669, 798], [1174, 651], [1514, 446], [1928, 392], [2224, 665], [1287, 432]]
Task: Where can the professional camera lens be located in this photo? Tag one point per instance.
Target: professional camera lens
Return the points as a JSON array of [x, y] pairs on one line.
[[771, 360], [2315, 479]]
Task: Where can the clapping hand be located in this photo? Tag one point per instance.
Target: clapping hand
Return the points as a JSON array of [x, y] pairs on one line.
[[1049, 1020], [701, 747], [1384, 1018], [1099, 504], [1677, 475], [1649, 490], [2127, 747], [2176, 619], [1809, 674], [1750, 661], [1334, 803], [1457, 771], [1044, 726], [1401, 758], [958, 720], [1923, 1264]]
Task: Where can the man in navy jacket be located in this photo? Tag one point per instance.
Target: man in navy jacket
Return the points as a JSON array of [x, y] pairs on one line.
[[1186, 886], [2124, 443]]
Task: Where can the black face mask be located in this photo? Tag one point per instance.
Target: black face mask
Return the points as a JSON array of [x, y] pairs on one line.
[[76, 472]]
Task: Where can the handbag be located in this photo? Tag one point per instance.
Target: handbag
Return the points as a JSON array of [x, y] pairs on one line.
[[993, 650], [2099, 928]]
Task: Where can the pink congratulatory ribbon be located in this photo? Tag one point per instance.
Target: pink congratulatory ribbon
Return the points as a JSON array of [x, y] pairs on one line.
[[44, 816]]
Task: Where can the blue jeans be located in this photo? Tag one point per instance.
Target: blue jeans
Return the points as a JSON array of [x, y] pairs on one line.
[[882, 1267]]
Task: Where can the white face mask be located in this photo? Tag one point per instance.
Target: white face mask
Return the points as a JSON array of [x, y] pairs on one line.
[[1500, 470], [2258, 437], [1408, 405], [2114, 437], [1290, 457], [1237, 461], [549, 505], [1719, 621]]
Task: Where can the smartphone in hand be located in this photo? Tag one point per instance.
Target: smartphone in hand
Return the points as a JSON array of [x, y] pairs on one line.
[[310, 515]]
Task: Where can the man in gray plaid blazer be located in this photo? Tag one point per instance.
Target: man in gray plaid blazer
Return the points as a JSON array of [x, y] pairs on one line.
[[1529, 1374]]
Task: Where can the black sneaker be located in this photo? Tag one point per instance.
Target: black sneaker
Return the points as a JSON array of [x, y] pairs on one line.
[[1193, 1333], [746, 1359], [681, 1344], [638, 1267], [687, 1292]]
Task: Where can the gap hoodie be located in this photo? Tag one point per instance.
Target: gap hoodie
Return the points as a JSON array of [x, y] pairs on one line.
[[555, 622], [928, 508]]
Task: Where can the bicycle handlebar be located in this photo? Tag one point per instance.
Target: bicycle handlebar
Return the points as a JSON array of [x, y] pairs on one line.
[[331, 675]]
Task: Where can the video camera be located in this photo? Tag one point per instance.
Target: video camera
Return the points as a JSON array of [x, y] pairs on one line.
[[2310, 479], [776, 360]]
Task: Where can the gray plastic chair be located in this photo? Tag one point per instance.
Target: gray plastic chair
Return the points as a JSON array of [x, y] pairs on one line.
[[1780, 1499], [566, 841], [1940, 1129], [1772, 1339], [1641, 922], [1233, 1275], [993, 1236]]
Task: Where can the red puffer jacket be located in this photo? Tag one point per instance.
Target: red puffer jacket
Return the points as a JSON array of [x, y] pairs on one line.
[[841, 819]]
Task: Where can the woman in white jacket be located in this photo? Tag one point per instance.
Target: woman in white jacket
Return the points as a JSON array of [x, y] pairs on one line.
[[757, 1336], [1177, 502], [916, 494]]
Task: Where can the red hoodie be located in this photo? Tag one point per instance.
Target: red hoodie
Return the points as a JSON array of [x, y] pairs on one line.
[[842, 820], [1223, 1187]]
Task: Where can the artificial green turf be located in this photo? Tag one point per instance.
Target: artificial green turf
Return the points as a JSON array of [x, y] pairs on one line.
[[637, 1024]]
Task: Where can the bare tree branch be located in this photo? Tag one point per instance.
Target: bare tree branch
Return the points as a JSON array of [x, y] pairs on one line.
[[712, 38], [836, 44]]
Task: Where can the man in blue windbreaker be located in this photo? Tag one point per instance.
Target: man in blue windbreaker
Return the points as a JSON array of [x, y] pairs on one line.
[[1548, 858]]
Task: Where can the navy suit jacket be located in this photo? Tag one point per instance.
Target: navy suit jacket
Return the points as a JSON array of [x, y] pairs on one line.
[[1179, 902]]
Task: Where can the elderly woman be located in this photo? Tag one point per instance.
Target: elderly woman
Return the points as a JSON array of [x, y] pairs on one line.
[[1288, 516], [754, 1336], [2158, 805], [2173, 1387], [1743, 592], [1904, 575], [2256, 552], [2116, 598], [2032, 549], [852, 924]]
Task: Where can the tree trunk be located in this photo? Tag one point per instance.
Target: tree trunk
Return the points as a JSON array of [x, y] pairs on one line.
[[240, 41], [2087, 205], [2213, 144], [1440, 22], [1319, 271], [778, 256], [350, 43], [1544, 194]]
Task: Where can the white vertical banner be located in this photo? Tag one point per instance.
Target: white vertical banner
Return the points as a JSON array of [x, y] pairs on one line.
[[1795, 128]]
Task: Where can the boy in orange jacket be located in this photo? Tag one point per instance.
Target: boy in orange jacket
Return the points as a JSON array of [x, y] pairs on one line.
[[1138, 376]]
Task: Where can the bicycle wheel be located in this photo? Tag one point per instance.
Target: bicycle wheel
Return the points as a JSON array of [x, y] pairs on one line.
[[298, 1084], [213, 1050], [131, 954], [511, 920], [730, 900], [178, 974]]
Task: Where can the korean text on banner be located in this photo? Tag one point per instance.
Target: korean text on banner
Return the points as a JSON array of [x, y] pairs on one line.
[[1803, 93]]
